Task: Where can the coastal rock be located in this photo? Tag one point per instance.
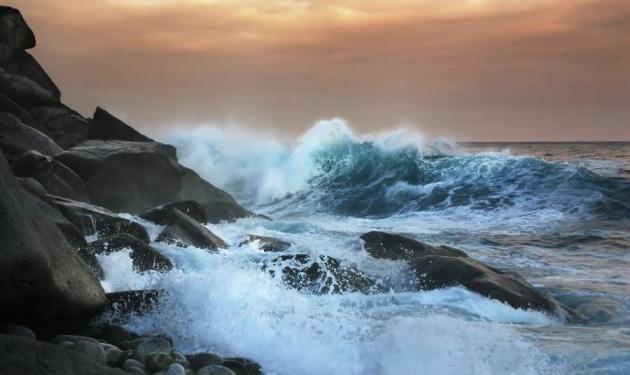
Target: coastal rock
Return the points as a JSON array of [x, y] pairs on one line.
[[182, 230], [16, 138], [191, 208], [321, 275], [17, 330], [24, 91], [26, 356], [438, 267], [143, 256], [132, 301], [24, 64], [15, 34], [105, 126], [84, 345], [199, 360], [42, 275], [267, 244], [215, 370], [8, 105], [252, 367], [92, 219]]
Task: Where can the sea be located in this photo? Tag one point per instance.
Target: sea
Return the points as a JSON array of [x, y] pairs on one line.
[[556, 213]]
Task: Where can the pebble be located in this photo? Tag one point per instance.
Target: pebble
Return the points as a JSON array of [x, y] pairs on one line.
[[215, 370]]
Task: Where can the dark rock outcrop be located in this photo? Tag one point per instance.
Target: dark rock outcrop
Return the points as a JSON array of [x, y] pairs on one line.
[[41, 276], [190, 208], [105, 126], [132, 302], [16, 138], [92, 219], [438, 267], [267, 244], [321, 275], [143, 256], [20, 355], [24, 64], [182, 230], [15, 34]]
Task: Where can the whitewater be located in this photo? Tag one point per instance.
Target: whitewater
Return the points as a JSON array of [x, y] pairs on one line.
[[558, 214]]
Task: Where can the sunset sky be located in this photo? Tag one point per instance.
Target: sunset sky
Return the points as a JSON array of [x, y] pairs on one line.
[[466, 69]]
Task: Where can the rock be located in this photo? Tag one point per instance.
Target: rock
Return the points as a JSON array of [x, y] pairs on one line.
[[16, 137], [215, 370], [133, 366], [15, 35], [439, 267], [32, 186], [32, 163], [92, 219], [176, 369], [122, 176], [191, 208], [183, 230], [107, 127], [9, 106], [180, 358], [252, 367], [133, 301], [87, 346], [25, 92], [383, 245], [267, 244], [25, 356], [67, 141], [144, 257], [114, 355], [116, 334], [199, 360], [154, 344], [322, 275], [61, 119], [236, 366], [42, 276], [17, 330], [24, 64], [156, 361]]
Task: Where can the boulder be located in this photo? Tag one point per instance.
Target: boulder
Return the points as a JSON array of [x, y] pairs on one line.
[[41, 275], [107, 127], [25, 356], [215, 370], [143, 256], [253, 368], [31, 163], [321, 275], [15, 34], [24, 91], [136, 302], [199, 360], [92, 219], [24, 64], [32, 186], [11, 107], [191, 208], [16, 137], [267, 244], [182, 230], [59, 119], [439, 267]]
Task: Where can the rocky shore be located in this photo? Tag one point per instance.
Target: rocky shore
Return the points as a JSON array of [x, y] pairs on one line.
[[65, 178]]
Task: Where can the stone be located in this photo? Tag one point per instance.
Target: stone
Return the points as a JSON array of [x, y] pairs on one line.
[[105, 126], [143, 256], [132, 301], [16, 138], [157, 344], [15, 34], [182, 230], [176, 369], [25, 92], [133, 366], [267, 244], [114, 356], [116, 334], [17, 330], [180, 358], [24, 64], [238, 367], [383, 245], [156, 361], [87, 346], [26, 356], [252, 367], [215, 370], [199, 360], [9, 106], [42, 275], [320, 275], [32, 163], [191, 208]]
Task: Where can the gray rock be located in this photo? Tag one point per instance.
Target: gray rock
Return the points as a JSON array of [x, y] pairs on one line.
[[158, 344], [114, 355], [199, 360], [176, 369], [253, 368], [238, 367], [180, 358], [18, 330], [267, 244], [42, 276], [383, 245], [215, 370], [85, 345], [143, 256], [105, 126], [24, 64], [16, 138], [25, 92], [191, 208], [15, 34], [130, 362], [156, 361]]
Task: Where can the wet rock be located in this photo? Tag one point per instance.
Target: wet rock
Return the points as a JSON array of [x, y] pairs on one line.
[[87, 346], [396, 247], [182, 230], [16, 138], [42, 276], [92, 219], [116, 334], [176, 369], [161, 214], [236, 366], [133, 366], [133, 301], [199, 360], [143, 256], [113, 355], [215, 370], [17, 330], [156, 361], [32, 186], [31, 164], [322, 274], [267, 244], [252, 367], [154, 344], [107, 127]]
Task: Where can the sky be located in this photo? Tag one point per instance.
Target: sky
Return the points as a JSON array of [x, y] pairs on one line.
[[496, 70]]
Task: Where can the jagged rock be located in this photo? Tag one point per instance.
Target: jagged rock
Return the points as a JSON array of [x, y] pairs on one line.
[[143, 256], [25, 92], [438, 267], [321, 275], [41, 274], [15, 34], [132, 301], [267, 244], [24, 64], [190, 208], [92, 219], [16, 137], [59, 119], [107, 127], [25, 356], [183, 230]]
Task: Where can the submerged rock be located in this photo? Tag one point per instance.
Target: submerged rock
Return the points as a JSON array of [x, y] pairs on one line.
[[321, 275], [143, 256], [267, 244], [438, 267]]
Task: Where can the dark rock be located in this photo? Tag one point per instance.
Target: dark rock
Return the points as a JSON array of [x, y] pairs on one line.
[[23, 64], [31, 164], [59, 118], [16, 137], [252, 367], [42, 276], [11, 107], [84, 345], [15, 35], [25, 92], [199, 360], [32, 186], [24, 356], [176, 369], [238, 367], [92, 219], [153, 344], [322, 275], [183, 230], [143, 256], [191, 208], [156, 361], [17, 330], [215, 370], [396, 247], [116, 334], [133, 301], [67, 141], [267, 244], [105, 126]]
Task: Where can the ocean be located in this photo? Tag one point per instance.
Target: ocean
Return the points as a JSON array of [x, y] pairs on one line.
[[556, 213]]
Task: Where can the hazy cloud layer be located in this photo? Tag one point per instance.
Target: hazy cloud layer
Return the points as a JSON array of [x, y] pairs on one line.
[[476, 69]]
